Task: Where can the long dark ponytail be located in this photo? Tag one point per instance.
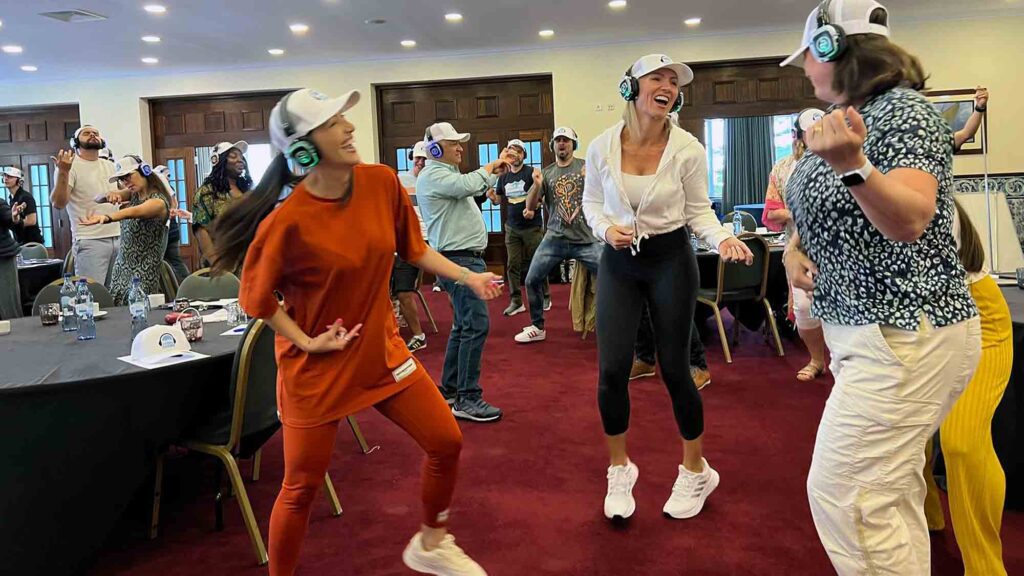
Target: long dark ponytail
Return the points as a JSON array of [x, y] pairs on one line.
[[235, 229]]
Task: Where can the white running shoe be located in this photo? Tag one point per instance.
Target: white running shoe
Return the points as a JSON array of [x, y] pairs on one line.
[[619, 502], [531, 334], [445, 560], [690, 491]]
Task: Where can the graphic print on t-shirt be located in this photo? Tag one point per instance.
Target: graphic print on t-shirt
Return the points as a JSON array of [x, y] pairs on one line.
[[516, 191], [569, 197]]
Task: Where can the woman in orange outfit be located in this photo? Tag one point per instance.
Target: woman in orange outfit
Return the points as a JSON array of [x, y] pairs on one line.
[[328, 249]]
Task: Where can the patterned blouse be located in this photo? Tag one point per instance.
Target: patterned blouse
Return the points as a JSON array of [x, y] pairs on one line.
[[865, 278], [775, 197], [207, 205], [143, 241]]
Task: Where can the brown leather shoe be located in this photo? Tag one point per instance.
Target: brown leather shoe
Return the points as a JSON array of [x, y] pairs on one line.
[[701, 377], [641, 369]]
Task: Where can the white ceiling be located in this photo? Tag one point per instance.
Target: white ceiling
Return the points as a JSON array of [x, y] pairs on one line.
[[226, 34]]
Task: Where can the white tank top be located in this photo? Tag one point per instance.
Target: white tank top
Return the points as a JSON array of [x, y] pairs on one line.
[[635, 187]]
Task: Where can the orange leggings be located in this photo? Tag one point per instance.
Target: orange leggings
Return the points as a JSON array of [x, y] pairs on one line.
[[421, 411]]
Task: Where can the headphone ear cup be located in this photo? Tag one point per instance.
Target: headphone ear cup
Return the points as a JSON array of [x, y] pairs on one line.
[[828, 43], [146, 170], [679, 102], [629, 88], [304, 153], [435, 150]]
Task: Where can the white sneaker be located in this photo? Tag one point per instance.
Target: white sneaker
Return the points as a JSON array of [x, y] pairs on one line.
[[531, 334], [619, 502], [445, 560], [690, 491]]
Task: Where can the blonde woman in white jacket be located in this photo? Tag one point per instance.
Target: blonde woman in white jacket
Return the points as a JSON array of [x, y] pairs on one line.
[[646, 184]]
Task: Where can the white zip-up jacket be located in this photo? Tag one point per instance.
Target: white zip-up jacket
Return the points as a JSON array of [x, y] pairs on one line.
[[676, 197]]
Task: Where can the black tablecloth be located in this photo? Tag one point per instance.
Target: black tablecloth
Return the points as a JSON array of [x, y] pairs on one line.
[[33, 276], [1008, 423], [79, 432]]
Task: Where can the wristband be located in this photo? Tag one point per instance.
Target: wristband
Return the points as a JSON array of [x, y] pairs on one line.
[[462, 277], [981, 109]]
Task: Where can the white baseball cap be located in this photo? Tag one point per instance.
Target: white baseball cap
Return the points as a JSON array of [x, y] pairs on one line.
[[12, 171], [517, 143], [809, 117], [298, 113], [565, 132], [163, 173], [652, 62], [853, 16], [445, 131], [222, 148], [127, 165], [419, 150], [158, 343]]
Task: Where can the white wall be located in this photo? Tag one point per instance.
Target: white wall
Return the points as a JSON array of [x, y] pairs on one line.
[[958, 54]]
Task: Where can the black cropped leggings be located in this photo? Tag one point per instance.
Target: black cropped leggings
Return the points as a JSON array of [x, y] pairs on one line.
[[664, 274]]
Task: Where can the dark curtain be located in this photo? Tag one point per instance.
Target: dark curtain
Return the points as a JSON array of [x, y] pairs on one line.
[[749, 151]]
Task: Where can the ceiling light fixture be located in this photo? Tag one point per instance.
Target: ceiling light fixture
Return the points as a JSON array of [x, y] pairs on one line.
[[453, 17], [150, 60], [692, 21], [29, 68], [298, 28], [546, 33], [155, 8], [151, 39], [617, 4], [408, 43], [12, 49], [275, 52], [375, 21]]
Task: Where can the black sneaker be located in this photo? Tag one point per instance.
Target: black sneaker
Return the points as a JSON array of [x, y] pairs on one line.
[[449, 397], [477, 410], [417, 343]]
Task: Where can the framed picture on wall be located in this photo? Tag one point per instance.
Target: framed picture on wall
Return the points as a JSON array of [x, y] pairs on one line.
[[956, 106]]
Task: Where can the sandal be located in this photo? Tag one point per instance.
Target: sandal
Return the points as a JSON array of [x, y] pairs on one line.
[[810, 372]]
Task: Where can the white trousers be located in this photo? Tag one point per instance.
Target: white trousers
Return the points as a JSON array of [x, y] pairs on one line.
[[866, 486]]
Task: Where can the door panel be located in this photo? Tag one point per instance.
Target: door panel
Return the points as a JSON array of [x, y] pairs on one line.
[[181, 164]]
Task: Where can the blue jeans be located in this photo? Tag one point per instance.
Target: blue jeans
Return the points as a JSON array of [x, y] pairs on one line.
[[549, 254], [470, 326]]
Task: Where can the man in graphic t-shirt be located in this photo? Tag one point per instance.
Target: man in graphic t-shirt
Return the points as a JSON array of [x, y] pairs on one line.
[[82, 176], [568, 236], [522, 234]]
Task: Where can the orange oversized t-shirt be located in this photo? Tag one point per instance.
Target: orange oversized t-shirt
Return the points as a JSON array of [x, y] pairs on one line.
[[332, 259]]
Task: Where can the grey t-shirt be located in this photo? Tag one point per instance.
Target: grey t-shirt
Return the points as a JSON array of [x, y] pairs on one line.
[[563, 199]]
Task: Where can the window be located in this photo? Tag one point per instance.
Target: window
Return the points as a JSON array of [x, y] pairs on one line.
[[782, 130], [714, 136], [176, 177], [39, 175], [487, 153], [404, 164], [534, 154]]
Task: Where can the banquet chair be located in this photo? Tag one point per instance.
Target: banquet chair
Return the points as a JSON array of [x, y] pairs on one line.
[[69, 263], [738, 282], [34, 251], [749, 222], [423, 301], [168, 281], [50, 294], [201, 286]]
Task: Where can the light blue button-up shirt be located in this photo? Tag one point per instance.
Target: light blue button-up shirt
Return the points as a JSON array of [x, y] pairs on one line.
[[445, 198]]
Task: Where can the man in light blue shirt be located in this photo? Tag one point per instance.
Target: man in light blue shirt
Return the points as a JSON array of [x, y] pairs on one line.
[[456, 229]]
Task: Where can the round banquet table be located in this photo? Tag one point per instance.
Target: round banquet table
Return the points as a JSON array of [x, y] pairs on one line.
[[80, 431], [33, 276]]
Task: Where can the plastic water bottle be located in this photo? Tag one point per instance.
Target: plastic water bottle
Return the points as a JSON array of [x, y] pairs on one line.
[[68, 317], [138, 306], [737, 223], [83, 307]]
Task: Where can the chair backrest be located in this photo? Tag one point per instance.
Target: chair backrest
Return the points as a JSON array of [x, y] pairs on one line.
[[168, 281], [739, 276], [34, 251], [749, 222], [69, 263], [50, 294], [253, 384], [201, 286]]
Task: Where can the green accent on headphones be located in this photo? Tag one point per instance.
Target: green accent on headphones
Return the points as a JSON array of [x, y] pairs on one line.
[[302, 150], [629, 89], [828, 42]]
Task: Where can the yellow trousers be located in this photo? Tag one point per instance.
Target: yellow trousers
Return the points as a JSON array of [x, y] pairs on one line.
[[977, 484]]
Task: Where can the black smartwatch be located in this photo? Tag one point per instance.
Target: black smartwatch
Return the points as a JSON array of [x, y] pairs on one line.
[[858, 176], [981, 109]]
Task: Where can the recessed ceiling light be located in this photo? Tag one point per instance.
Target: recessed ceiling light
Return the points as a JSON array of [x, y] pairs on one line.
[[29, 68], [150, 60], [155, 8], [453, 17], [275, 51], [151, 39], [375, 21], [692, 21], [298, 28], [408, 43], [546, 33], [12, 49], [617, 4]]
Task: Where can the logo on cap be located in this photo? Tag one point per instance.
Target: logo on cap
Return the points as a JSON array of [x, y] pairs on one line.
[[167, 340], [665, 59], [317, 95]]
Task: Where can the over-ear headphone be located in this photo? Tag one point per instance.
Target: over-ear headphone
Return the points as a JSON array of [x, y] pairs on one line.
[[144, 168], [575, 142], [302, 150], [433, 146], [828, 42], [75, 143], [629, 88]]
